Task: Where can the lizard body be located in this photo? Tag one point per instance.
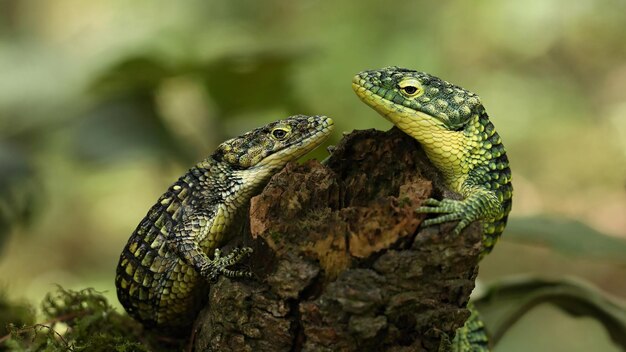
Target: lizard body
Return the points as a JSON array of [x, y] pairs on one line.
[[163, 272], [454, 130]]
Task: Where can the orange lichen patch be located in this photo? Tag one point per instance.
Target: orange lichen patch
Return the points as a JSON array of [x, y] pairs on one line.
[[373, 229], [360, 204], [338, 244], [331, 251]]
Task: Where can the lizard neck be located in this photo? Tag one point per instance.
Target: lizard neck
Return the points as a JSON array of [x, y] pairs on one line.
[[445, 148], [236, 187], [459, 155], [229, 190], [253, 180]]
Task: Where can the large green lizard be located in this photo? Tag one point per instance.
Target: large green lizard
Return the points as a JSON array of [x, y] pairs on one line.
[[454, 130]]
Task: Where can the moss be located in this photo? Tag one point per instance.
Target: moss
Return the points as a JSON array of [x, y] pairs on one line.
[[16, 313], [76, 321], [276, 236]]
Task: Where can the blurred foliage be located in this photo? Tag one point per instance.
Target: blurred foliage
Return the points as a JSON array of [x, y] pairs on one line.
[[122, 127], [506, 301], [135, 74], [104, 103], [253, 81], [19, 190], [15, 313], [76, 321], [126, 117], [567, 236]]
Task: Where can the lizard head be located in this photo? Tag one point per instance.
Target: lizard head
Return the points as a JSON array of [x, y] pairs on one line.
[[276, 143], [401, 93]]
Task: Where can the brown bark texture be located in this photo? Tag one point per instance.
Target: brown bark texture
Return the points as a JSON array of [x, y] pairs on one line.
[[340, 261]]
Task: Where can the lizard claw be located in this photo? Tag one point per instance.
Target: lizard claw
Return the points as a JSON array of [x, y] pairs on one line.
[[219, 264], [432, 202], [451, 210]]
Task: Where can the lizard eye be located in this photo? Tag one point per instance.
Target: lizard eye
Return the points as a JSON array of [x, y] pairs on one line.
[[410, 87], [410, 90], [279, 133]]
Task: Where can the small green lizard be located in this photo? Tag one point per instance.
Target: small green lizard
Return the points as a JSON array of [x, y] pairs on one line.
[[454, 129], [164, 269]]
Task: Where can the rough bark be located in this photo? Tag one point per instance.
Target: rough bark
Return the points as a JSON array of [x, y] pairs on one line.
[[339, 261]]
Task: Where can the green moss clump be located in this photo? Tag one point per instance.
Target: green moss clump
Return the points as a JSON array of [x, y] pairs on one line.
[[16, 313], [75, 321]]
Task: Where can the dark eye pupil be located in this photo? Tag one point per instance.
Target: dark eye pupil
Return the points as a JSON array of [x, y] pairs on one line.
[[410, 89], [279, 133]]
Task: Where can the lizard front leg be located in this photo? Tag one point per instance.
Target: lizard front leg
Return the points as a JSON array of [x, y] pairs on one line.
[[185, 242], [480, 204]]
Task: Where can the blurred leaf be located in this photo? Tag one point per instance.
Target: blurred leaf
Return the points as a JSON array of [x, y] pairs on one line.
[[133, 74], [567, 236], [505, 302], [122, 127], [8, 15], [253, 81], [19, 189], [126, 119], [16, 313]]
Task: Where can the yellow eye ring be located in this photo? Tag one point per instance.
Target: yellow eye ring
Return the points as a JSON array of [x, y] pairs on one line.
[[279, 133], [410, 88]]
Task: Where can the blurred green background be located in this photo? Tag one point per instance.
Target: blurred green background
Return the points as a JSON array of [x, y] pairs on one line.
[[104, 103]]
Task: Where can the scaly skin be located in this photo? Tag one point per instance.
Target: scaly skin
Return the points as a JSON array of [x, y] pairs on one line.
[[163, 273], [454, 129], [471, 337]]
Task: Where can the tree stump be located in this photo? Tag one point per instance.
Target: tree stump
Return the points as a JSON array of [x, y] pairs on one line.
[[339, 262]]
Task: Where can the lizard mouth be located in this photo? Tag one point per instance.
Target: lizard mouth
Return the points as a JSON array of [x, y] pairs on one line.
[[320, 127], [360, 84], [323, 128], [366, 91], [398, 114]]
